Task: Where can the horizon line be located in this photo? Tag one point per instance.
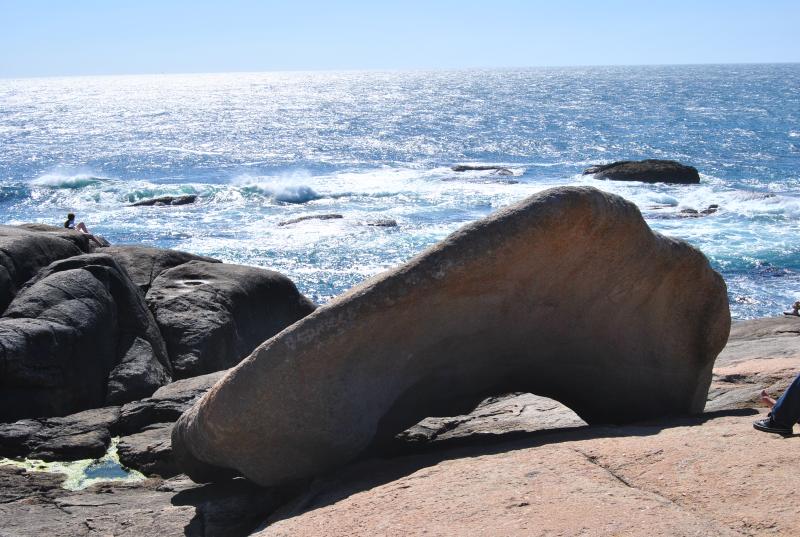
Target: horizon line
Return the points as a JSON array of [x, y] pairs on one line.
[[396, 69]]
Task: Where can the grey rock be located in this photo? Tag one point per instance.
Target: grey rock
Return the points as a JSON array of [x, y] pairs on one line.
[[84, 435], [383, 222], [144, 263], [499, 170], [64, 338], [25, 250], [212, 315], [568, 295], [311, 217], [154, 507], [149, 451], [166, 200], [646, 171], [166, 404]]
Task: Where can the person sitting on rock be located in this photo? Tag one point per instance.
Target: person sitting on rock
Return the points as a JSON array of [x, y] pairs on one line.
[[80, 226], [785, 411], [795, 310]]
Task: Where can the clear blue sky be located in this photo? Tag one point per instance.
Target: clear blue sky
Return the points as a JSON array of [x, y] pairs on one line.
[[66, 37]]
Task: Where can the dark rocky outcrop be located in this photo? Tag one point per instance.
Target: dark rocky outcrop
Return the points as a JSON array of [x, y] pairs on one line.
[[567, 294], [166, 200], [77, 336], [84, 435], [498, 170], [383, 222], [166, 404], [149, 451], [145, 263], [311, 217], [212, 315], [31, 506], [25, 250], [646, 171]]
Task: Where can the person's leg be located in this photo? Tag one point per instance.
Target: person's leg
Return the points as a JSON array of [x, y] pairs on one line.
[[82, 227], [786, 411]]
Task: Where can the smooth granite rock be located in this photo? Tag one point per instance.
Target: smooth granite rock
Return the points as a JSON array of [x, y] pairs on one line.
[[646, 171], [78, 335], [25, 250], [144, 263], [212, 315], [568, 295]]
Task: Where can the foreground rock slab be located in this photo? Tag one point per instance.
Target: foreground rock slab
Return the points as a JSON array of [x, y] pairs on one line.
[[30, 505], [646, 171], [567, 295], [701, 477]]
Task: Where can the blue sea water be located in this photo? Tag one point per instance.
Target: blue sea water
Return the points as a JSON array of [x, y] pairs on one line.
[[262, 148]]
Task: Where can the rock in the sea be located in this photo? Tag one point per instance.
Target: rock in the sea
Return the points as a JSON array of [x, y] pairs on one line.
[[383, 222], [166, 200], [646, 171], [499, 170], [145, 263], [78, 335], [26, 249], [333, 216], [84, 435], [568, 295], [212, 315]]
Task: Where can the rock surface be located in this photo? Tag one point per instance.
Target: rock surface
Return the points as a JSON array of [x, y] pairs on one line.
[[311, 217], [77, 336], [567, 295], [499, 170], [149, 451], [212, 315], [25, 250], [84, 435], [30, 506], [144, 263], [646, 171], [166, 200]]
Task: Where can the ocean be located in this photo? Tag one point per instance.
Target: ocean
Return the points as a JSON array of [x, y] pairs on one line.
[[259, 149]]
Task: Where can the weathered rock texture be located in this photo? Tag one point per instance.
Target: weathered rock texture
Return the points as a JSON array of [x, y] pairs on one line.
[[568, 295], [646, 171], [77, 336], [166, 200], [144, 263], [212, 315], [25, 250]]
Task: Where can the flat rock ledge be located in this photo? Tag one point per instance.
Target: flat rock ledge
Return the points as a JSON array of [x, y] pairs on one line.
[[567, 294]]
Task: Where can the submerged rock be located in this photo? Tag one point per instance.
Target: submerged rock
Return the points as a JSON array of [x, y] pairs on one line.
[[212, 315], [166, 200], [499, 170], [383, 222], [567, 295], [646, 171], [77, 336], [311, 217]]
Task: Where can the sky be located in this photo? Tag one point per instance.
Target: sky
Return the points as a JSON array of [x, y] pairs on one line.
[[82, 37]]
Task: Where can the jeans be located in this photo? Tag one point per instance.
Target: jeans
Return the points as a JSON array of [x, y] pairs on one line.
[[786, 411]]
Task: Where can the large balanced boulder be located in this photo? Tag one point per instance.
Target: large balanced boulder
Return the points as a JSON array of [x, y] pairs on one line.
[[212, 315], [25, 250], [77, 336], [567, 295], [646, 171]]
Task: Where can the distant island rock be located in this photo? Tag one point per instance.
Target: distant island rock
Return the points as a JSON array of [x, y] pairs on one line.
[[646, 171], [166, 200]]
